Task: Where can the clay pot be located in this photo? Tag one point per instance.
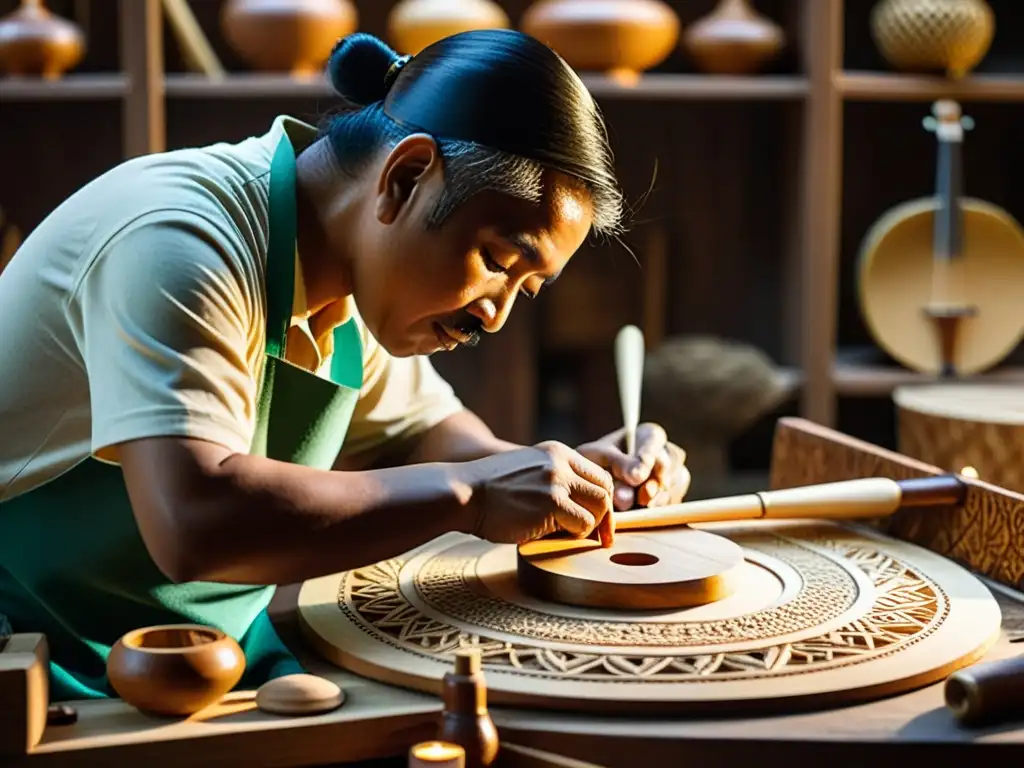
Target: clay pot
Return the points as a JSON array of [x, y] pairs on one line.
[[733, 39], [33, 41], [294, 36], [415, 24], [620, 37], [933, 35], [175, 669]]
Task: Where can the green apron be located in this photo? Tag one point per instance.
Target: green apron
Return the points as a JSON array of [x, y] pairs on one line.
[[72, 562]]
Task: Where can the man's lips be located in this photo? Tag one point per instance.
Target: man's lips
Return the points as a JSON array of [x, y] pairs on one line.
[[446, 338]]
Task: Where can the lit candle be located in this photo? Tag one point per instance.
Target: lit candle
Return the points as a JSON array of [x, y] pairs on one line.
[[437, 754]]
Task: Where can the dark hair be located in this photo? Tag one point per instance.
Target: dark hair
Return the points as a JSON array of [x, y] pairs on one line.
[[501, 106]]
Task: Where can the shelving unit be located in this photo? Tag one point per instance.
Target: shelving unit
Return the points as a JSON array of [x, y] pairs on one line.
[[653, 87], [774, 163]]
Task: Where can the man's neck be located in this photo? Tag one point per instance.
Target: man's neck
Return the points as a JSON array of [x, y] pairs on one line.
[[321, 197]]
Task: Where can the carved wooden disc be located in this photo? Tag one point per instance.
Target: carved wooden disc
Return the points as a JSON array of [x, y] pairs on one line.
[[648, 570], [823, 614]]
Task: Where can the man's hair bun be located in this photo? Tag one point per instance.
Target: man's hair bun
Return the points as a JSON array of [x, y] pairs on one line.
[[358, 68]]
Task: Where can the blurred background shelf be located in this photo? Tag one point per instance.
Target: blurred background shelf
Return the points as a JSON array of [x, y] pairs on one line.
[[881, 86], [72, 87], [651, 87]]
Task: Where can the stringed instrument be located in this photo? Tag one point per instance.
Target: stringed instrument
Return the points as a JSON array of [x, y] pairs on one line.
[[941, 279]]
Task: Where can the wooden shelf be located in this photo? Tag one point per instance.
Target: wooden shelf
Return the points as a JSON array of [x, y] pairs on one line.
[[881, 86], [655, 87], [246, 86], [83, 87], [853, 380], [671, 87]]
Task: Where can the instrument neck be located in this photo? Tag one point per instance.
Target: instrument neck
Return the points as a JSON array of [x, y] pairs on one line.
[[948, 191]]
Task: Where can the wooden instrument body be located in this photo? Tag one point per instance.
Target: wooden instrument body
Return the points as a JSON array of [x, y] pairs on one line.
[[661, 570], [939, 278], [895, 282]]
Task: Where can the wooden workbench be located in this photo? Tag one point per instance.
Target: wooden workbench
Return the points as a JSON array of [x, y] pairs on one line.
[[378, 722]]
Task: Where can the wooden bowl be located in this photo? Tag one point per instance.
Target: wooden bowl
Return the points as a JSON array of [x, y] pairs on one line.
[[174, 669]]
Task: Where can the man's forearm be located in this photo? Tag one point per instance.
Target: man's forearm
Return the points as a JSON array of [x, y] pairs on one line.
[[212, 516], [461, 437]]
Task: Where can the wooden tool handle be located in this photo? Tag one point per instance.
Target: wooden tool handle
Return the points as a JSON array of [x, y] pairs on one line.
[[987, 693], [629, 367], [846, 499]]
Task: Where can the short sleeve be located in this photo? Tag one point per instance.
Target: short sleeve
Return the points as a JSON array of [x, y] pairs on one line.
[[402, 397], [167, 312]]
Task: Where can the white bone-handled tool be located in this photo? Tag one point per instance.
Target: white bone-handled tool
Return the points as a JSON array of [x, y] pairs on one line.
[[629, 367]]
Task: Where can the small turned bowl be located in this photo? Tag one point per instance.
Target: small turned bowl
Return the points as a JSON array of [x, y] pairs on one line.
[[174, 669]]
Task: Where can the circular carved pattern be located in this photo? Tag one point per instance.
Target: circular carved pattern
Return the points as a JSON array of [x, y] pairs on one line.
[[907, 608], [828, 590]]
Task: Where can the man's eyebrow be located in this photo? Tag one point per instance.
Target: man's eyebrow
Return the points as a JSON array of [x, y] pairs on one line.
[[530, 252], [526, 247]]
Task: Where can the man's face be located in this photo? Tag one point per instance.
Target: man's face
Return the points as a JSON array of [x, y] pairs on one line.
[[420, 291]]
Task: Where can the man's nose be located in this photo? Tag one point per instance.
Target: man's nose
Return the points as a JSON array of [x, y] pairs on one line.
[[493, 311]]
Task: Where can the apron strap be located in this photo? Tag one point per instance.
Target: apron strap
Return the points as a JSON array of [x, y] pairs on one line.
[[281, 248]]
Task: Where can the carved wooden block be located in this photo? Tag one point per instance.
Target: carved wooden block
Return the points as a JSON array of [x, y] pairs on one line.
[[986, 534], [24, 692]]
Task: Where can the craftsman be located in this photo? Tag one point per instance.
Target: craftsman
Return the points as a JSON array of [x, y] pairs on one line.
[[214, 374]]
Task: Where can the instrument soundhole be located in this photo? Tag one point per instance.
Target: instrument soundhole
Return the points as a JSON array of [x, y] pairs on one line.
[[633, 558]]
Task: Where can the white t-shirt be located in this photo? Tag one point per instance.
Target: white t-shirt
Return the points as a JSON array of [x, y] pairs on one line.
[[136, 309]]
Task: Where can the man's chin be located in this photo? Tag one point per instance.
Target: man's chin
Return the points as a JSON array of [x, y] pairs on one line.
[[410, 346]]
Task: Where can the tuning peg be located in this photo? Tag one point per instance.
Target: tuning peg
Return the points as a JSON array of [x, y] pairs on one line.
[[932, 125]]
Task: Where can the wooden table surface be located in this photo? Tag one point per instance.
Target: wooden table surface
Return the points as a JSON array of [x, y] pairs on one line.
[[379, 721]]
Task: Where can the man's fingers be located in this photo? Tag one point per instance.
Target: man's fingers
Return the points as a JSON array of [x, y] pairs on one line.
[[651, 440], [610, 458], [591, 471], [680, 483], [594, 498], [663, 466], [625, 496], [573, 517], [645, 493], [606, 530]]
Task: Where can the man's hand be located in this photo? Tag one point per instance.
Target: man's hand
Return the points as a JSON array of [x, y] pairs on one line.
[[656, 476], [529, 493]]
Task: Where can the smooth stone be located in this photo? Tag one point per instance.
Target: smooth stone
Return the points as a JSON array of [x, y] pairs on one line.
[[299, 695]]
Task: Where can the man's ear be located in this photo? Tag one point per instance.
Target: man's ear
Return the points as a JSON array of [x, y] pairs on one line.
[[414, 159]]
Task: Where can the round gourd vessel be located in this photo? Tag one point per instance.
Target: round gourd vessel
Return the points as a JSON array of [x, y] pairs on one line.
[[734, 39], [294, 36], [415, 24], [620, 37], [36, 42], [174, 669]]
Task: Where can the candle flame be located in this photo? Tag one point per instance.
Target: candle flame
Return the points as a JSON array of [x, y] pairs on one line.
[[437, 750], [969, 471]]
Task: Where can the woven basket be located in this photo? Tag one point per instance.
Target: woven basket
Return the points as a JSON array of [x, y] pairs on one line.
[[933, 35]]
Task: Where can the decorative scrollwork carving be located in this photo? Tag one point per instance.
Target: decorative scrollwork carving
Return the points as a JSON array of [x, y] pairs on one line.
[[906, 607]]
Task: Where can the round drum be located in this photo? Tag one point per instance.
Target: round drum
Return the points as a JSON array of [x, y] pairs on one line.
[[956, 426], [823, 615]]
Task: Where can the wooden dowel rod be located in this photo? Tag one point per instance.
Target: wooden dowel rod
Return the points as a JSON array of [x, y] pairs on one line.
[[847, 499]]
